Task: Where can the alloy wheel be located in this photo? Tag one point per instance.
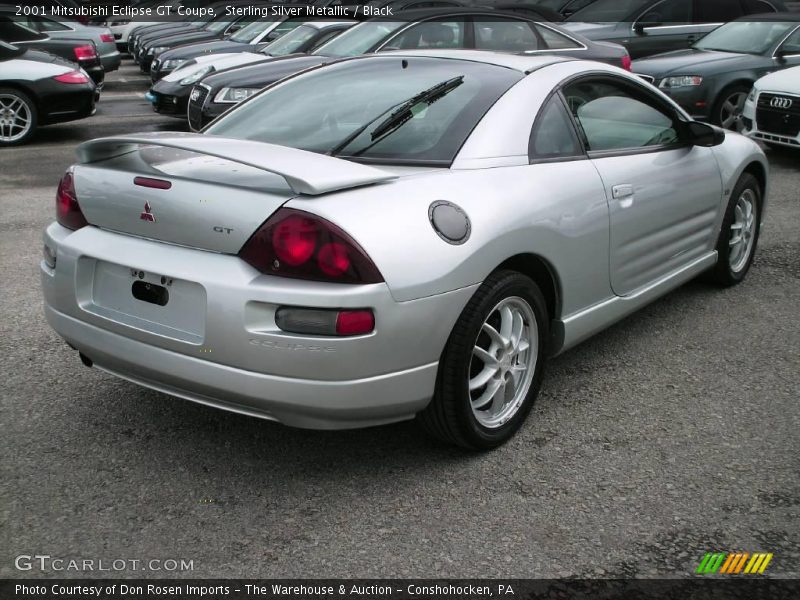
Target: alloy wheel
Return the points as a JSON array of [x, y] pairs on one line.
[[743, 230], [730, 112], [15, 118], [503, 362]]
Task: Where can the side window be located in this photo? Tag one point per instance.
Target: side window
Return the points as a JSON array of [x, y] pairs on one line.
[[668, 12], [716, 11], [554, 40], [430, 34], [753, 7], [328, 35], [51, 25], [507, 35], [792, 43], [553, 134], [615, 117]]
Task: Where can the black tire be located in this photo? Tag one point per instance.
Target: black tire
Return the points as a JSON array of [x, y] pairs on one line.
[[31, 107], [716, 112], [449, 416], [723, 272]]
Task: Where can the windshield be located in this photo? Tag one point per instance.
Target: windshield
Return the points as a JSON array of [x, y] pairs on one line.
[[607, 11], [218, 26], [361, 108], [359, 39], [250, 31], [754, 37], [291, 42]]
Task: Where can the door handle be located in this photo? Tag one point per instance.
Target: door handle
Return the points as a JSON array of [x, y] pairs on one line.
[[624, 190]]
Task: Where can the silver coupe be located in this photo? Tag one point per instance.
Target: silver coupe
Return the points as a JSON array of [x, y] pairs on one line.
[[394, 236]]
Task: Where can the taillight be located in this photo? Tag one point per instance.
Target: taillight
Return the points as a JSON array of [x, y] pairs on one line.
[[68, 211], [72, 77], [626, 62], [325, 321], [297, 244], [86, 52], [107, 37]]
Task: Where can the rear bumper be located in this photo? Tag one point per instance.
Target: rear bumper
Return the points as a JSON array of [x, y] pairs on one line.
[[236, 358], [111, 61], [296, 402]]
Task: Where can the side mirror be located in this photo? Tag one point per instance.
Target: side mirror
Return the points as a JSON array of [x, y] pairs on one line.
[[701, 134], [780, 55]]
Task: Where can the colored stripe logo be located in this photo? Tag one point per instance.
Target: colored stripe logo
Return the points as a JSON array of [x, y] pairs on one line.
[[734, 563]]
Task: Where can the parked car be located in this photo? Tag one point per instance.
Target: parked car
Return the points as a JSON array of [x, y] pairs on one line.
[[529, 8], [565, 8], [122, 26], [81, 51], [58, 28], [145, 30], [711, 80], [772, 110], [476, 28], [383, 250], [252, 37], [36, 89], [153, 45], [647, 27], [170, 95]]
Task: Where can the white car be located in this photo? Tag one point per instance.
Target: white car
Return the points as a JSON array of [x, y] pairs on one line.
[[772, 111]]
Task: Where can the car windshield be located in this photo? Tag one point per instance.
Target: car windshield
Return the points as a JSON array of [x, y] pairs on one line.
[[382, 109], [291, 42], [250, 31], [218, 26], [747, 37], [359, 39], [607, 11]]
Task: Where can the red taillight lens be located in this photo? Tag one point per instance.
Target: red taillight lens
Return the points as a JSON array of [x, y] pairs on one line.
[[355, 322], [297, 244], [107, 37], [626, 62], [86, 52], [68, 211], [72, 77]]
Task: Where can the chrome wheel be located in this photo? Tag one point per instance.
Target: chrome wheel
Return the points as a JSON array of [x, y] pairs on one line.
[[730, 113], [16, 118], [503, 362], [743, 230]]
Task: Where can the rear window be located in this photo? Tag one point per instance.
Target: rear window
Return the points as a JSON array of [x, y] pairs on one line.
[[380, 109]]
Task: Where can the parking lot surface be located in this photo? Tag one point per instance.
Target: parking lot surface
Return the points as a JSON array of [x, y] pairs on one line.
[[672, 434]]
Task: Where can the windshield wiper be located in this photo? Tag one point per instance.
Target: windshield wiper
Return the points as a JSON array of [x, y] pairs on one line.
[[400, 116]]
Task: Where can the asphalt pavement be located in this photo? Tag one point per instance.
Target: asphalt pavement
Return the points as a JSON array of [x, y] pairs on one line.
[[672, 434]]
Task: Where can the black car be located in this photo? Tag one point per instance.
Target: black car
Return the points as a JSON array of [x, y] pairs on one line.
[[647, 27], [711, 80], [216, 30], [38, 88], [456, 28], [172, 97], [253, 37], [78, 50]]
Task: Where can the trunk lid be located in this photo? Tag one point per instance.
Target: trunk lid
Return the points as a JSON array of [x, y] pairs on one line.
[[201, 191]]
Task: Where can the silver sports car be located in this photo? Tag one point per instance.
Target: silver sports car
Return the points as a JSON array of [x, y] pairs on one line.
[[394, 236]]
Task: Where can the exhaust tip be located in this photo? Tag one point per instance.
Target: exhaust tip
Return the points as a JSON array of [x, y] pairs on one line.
[[85, 359]]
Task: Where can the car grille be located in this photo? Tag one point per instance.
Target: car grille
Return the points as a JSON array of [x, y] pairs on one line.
[[197, 99], [778, 113]]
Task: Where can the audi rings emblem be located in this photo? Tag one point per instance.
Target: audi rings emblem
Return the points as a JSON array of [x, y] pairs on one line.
[[781, 103]]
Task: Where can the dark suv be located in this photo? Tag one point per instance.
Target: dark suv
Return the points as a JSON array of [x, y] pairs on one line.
[[648, 27]]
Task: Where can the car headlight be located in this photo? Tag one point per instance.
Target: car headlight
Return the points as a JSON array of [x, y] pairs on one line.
[[155, 50], [196, 76], [681, 81], [173, 63], [234, 95]]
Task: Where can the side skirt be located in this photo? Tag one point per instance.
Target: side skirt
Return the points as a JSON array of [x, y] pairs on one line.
[[578, 327]]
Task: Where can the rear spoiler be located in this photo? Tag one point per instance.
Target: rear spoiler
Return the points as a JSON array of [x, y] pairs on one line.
[[305, 172]]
